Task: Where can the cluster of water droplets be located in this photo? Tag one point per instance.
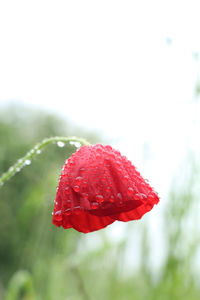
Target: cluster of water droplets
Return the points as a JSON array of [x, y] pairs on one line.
[[61, 144], [98, 165], [26, 160]]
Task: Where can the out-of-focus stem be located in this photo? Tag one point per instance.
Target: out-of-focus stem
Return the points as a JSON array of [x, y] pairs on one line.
[[80, 282]]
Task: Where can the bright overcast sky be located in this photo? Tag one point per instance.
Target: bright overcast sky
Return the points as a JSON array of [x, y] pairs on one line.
[[126, 68]]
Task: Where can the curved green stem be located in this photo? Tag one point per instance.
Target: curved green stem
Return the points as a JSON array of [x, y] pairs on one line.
[[26, 160]]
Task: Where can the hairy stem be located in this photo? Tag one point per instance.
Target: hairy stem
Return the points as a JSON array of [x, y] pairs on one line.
[[22, 162]]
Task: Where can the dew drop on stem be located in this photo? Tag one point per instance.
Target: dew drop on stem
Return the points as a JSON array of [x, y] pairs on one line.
[[60, 144], [27, 162]]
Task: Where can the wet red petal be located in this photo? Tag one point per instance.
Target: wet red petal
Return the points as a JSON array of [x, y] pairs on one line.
[[98, 186]]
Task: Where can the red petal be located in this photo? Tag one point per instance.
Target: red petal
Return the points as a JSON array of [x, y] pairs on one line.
[[96, 187]]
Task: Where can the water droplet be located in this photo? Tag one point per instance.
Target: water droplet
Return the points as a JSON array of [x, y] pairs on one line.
[[94, 205], [151, 197], [143, 196], [71, 163], [11, 169], [78, 180], [108, 191], [58, 216], [85, 195], [18, 169], [126, 178], [67, 211], [56, 202], [84, 184], [77, 210], [99, 198], [108, 147], [27, 162], [112, 199], [137, 197], [38, 151], [60, 144], [76, 144], [67, 190], [76, 188], [52, 213], [119, 200], [119, 196], [130, 191]]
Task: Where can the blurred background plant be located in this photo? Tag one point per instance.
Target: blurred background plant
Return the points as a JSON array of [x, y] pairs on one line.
[[40, 261]]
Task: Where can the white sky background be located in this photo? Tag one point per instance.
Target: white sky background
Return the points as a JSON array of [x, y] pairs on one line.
[[125, 68]]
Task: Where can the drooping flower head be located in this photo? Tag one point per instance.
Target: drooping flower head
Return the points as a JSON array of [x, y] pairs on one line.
[[99, 186]]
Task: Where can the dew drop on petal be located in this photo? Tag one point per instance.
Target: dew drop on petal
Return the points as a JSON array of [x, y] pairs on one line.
[[78, 180], [82, 170], [112, 199], [58, 215], [94, 205], [108, 147], [67, 211], [130, 191], [84, 184], [126, 178], [85, 195], [137, 197], [119, 196], [108, 190], [76, 188], [67, 191], [153, 197], [77, 210], [99, 198], [143, 196], [119, 200]]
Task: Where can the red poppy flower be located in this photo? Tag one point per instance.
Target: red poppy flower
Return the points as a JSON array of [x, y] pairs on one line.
[[99, 186]]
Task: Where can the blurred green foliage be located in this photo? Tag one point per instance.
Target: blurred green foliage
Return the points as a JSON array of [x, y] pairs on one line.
[[40, 261]]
